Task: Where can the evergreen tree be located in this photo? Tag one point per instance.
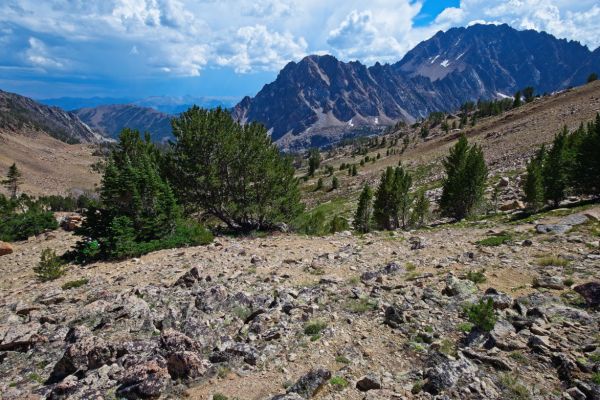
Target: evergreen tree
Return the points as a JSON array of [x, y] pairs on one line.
[[464, 184], [402, 185], [517, 99], [592, 77], [534, 182], [232, 172], [13, 180], [528, 93], [420, 211], [354, 170], [586, 177], [138, 211], [555, 169], [335, 183], [314, 161], [362, 218], [392, 199], [319, 184]]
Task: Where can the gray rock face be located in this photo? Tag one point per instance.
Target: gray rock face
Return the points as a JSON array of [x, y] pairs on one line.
[[590, 292], [147, 380], [369, 382], [459, 287], [444, 374], [549, 282], [307, 386], [553, 228]]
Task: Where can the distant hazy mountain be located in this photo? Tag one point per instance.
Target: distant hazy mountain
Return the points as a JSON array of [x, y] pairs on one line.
[[321, 97], [111, 119], [18, 113], [165, 104]]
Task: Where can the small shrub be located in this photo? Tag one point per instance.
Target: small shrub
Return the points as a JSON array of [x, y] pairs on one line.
[[476, 276], [417, 387], [50, 266], [219, 396], [513, 388], [75, 284], [482, 315], [361, 305], [314, 327], [596, 378], [569, 282], [553, 261], [465, 327], [448, 347], [20, 226], [410, 266], [519, 357], [338, 224], [338, 383], [342, 360], [493, 241]]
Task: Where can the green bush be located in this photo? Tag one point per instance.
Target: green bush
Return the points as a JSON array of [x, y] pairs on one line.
[[476, 276], [338, 224], [20, 226], [482, 315], [50, 266], [314, 327]]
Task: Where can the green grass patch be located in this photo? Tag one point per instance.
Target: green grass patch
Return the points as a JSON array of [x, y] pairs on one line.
[[314, 328], [360, 306], [219, 396], [75, 284], [494, 241], [465, 327], [342, 360], [476, 276], [596, 378], [513, 389], [553, 261], [338, 383]]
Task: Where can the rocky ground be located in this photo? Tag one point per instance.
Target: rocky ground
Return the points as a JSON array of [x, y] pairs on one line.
[[379, 316]]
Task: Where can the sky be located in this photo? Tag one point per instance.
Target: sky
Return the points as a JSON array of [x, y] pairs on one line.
[[231, 48]]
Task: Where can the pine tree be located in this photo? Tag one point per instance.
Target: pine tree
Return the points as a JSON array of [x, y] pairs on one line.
[[232, 172], [586, 176], [335, 183], [592, 77], [420, 211], [466, 175], [354, 170], [385, 208], [534, 182], [528, 93], [362, 218], [314, 161], [13, 180], [555, 169], [319, 184], [517, 99], [402, 185]]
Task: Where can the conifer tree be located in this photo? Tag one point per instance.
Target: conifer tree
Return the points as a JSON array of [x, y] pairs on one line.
[[464, 184], [354, 170], [420, 211], [402, 185], [362, 218], [385, 208], [517, 99], [586, 176], [528, 93], [555, 169], [335, 183], [314, 161], [534, 182], [13, 180]]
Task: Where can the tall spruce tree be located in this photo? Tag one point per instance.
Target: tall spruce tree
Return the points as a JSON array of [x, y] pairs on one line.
[[586, 177], [13, 180], [137, 204], [534, 182], [555, 170], [464, 184], [402, 196], [362, 218]]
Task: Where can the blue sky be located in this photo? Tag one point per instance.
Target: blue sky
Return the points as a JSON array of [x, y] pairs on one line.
[[231, 48]]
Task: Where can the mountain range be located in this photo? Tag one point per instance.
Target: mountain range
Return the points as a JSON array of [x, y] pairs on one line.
[[321, 99]]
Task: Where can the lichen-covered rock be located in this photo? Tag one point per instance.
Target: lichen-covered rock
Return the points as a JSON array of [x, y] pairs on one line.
[[147, 380], [308, 385]]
